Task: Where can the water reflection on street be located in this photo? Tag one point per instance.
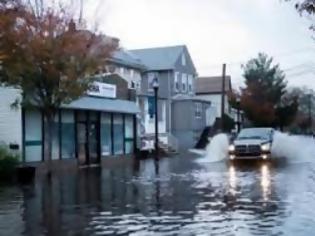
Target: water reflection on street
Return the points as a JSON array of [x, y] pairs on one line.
[[182, 198]]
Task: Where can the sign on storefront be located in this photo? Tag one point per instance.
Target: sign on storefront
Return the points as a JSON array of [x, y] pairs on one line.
[[102, 90]]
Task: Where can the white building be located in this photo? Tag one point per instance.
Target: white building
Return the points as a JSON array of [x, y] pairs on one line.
[[210, 89], [10, 118]]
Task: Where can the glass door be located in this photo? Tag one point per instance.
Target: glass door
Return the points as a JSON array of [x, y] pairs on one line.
[[88, 132]]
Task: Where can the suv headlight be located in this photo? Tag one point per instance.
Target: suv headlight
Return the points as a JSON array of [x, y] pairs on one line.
[[266, 147], [232, 148]]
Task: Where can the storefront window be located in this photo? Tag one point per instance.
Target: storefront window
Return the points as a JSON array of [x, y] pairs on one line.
[[118, 134], [106, 142], [55, 138], [33, 136], [67, 134], [93, 130], [129, 135]]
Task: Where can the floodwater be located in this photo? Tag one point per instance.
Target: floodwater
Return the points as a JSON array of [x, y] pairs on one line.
[[177, 196]]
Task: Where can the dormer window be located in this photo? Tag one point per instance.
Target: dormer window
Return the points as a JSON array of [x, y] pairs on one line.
[[183, 60], [133, 85], [190, 83], [184, 83], [176, 81], [111, 69]]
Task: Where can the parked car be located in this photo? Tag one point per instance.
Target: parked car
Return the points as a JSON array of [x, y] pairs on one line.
[[252, 144]]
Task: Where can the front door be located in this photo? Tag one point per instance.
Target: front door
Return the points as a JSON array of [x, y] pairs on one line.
[[88, 138]]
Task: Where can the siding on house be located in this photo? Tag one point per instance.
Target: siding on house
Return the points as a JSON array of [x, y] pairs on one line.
[[162, 76], [189, 129], [212, 85], [10, 119], [188, 69], [216, 101], [189, 66]]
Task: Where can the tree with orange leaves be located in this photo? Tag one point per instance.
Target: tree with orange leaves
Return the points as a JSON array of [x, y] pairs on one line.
[[47, 57]]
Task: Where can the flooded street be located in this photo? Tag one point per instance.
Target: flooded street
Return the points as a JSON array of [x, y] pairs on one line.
[[185, 197]]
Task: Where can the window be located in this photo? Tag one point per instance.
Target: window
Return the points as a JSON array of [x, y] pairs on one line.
[[176, 81], [198, 110], [131, 72], [118, 134], [55, 138], [132, 85], [106, 141], [33, 136], [184, 83], [183, 60], [129, 135], [67, 134], [122, 70], [111, 69], [190, 83]]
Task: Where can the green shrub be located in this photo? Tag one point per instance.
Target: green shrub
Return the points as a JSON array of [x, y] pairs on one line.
[[8, 163]]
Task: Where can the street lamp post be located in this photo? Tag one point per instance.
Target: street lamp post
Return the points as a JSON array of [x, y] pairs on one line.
[[155, 86], [238, 100]]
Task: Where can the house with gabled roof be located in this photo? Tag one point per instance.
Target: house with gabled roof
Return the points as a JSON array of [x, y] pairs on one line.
[[210, 88], [182, 116]]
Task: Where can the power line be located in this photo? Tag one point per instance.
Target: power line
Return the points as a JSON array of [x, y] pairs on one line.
[[284, 54], [309, 66], [301, 73]]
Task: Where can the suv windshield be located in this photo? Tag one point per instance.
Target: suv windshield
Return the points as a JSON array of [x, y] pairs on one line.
[[257, 133]]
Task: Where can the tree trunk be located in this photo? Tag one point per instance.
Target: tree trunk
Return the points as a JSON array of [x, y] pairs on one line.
[[48, 127]]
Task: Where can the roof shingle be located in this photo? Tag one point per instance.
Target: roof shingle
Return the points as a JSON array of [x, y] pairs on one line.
[[212, 85], [162, 58], [127, 58]]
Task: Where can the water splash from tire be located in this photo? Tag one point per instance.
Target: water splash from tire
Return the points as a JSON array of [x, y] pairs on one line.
[[295, 148], [217, 149]]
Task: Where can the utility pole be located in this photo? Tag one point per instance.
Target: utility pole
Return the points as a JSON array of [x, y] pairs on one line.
[[310, 111], [223, 96], [81, 12]]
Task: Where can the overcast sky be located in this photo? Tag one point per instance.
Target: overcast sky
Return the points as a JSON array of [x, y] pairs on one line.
[[215, 32]]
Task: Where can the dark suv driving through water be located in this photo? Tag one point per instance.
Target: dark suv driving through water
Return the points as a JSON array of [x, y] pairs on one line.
[[252, 144]]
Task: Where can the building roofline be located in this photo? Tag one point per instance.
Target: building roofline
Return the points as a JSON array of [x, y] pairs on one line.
[[191, 100], [211, 93], [151, 95], [159, 47], [124, 63]]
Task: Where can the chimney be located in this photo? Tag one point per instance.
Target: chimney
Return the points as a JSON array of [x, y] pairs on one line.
[[72, 26], [115, 41]]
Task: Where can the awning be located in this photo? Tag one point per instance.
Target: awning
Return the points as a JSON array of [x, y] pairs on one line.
[[103, 104]]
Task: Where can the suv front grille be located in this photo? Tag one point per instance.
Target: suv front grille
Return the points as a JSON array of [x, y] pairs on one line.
[[240, 149], [247, 149]]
